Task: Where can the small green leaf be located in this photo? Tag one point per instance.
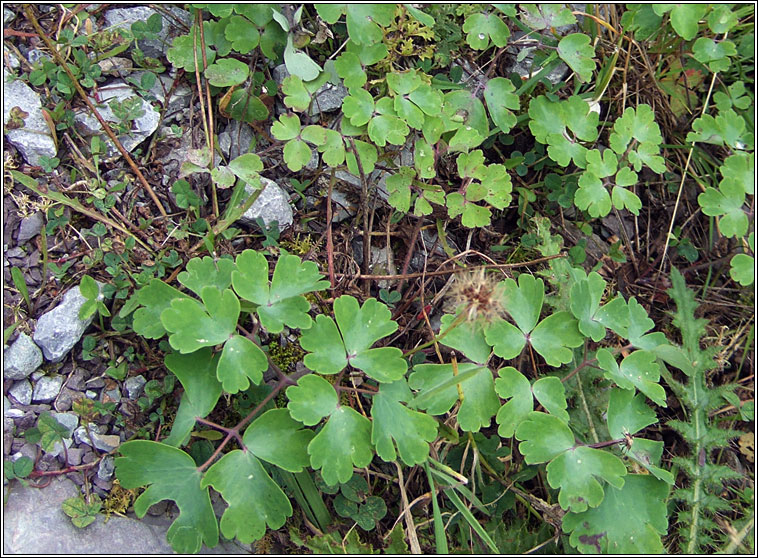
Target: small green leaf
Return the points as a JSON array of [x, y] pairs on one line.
[[343, 443], [312, 399], [545, 16], [544, 437], [481, 28], [742, 269], [726, 203], [363, 21], [515, 387], [575, 50], [741, 168], [592, 196], [300, 64], [241, 360], [685, 18], [296, 95], [715, 55], [227, 72], [358, 106], [205, 272], [639, 370], [182, 55], [286, 128], [726, 128], [555, 336], [350, 69], [641, 502], [193, 325], [278, 439], [501, 102], [88, 288], [154, 298], [80, 512]]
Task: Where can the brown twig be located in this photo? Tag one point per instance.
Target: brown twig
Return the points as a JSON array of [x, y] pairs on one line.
[[62, 63]]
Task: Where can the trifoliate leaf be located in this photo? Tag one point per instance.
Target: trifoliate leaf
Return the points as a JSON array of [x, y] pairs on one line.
[[715, 55], [439, 384], [197, 374], [555, 336], [255, 500], [575, 50], [575, 472], [359, 328], [312, 399], [601, 165], [343, 443], [638, 370], [394, 424], [726, 203], [154, 297], [171, 475], [194, 325], [81, 512], [641, 502], [241, 361], [227, 72], [727, 128], [207, 272], [281, 302]]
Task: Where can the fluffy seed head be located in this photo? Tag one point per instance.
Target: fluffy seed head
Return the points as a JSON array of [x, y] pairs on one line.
[[478, 296]]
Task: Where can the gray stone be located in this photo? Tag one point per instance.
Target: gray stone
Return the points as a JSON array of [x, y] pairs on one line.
[[30, 227], [22, 392], [124, 17], [69, 420], [180, 97], [47, 388], [35, 56], [33, 140], [329, 96], [133, 386], [116, 66], [9, 427], [235, 139], [74, 456], [101, 441], [8, 16], [21, 359], [29, 450], [111, 395], [142, 127], [342, 207], [13, 413], [312, 164], [12, 58], [59, 329], [105, 469], [272, 205]]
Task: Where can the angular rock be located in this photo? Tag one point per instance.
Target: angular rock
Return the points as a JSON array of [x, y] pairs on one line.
[[8, 16], [33, 140], [59, 329], [124, 17], [74, 456], [47, 388], [102, 442], [133, 386], [30, 227], [12, 58], [142, 127], [21, 392], [272, 205], [21, 359], [105, 469], [69, 420], [235, 139]]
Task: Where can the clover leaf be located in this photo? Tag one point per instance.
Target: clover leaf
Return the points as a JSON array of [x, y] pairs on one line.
[[552, 337], [255, 500], [394, 424], [279, 302], [171, 475], [332, 348], [575, 50], [193, 325], [513, 385], [641, 502], [552, 120], [571, 468], [439, 386], [726, 128], [296, 151], [639, 370], [735, 95], [726, 203]]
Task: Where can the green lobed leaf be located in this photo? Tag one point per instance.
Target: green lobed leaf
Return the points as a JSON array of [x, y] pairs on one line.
[[171, 475], [296, 95], [181, 53], [312, 399], [684, 18], [545, 16], [726, 128], [639, 370], [543, 437], [154, 297], [394, 424], [204, 272], [364, 21], [278, 439], [466, 337], [350, 69], [641, 502], [343, 443], [555, 337], [726, 203], [227, 72], [197, 374], [255, 500], [741, 168], [575, 50], [502, 100], [592, 196], [241, 362], [193, 325], [515, 387]]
